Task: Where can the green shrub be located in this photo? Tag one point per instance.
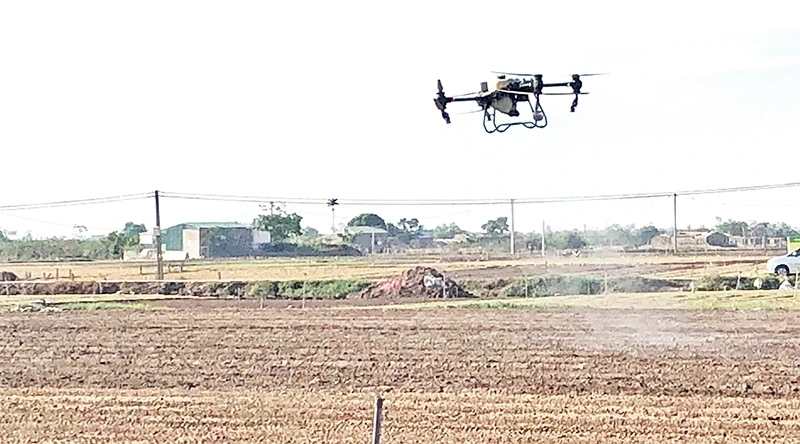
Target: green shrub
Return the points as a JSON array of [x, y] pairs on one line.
[[321, 289], [538, 286], [720, 283]]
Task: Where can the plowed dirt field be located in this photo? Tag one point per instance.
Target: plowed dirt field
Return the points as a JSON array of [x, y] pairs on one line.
[[448, 375]]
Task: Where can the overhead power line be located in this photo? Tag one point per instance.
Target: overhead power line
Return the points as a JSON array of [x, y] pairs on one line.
[[311, 201], [77, 202], [445, 202], [385, 202], [247, 199]]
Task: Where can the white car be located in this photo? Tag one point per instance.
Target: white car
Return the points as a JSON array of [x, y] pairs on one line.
[[786, 264]]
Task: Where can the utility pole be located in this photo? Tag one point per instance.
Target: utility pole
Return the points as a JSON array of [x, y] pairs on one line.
[[332, 203], [542, 238], [513, 239], [675, 223], [157, 238]]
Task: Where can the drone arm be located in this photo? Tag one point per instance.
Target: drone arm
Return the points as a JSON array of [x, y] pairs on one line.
[[550, 85], [464, 99], [441, 102]]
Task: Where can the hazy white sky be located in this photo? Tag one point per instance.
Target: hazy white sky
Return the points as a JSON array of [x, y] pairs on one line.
[[334, 99]]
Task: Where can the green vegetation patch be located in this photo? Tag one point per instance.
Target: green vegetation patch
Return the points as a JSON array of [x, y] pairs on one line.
[[555, 285], [722, 283], [316, 289], [101, 305]]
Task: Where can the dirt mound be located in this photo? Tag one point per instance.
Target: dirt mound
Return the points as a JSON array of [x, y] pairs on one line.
[[415, 282]]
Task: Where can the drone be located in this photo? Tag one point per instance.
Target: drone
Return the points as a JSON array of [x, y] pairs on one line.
[[507, 93]]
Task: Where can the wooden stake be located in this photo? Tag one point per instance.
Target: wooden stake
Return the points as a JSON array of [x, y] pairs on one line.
[[376, 421]]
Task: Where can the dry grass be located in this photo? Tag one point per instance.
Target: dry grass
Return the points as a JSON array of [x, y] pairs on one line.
[[726, 300], [57, 299], [382, 267], [283, 417]]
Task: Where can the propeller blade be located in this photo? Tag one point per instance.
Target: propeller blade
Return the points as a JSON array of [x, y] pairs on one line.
[[440, 85], [512, 74], [531, 75], [507, 91], [563, 94], [466, 94]]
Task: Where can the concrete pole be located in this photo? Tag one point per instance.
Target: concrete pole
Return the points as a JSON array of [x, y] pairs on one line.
[[157, 238], [513, 230], [675, 223], [543, 227]]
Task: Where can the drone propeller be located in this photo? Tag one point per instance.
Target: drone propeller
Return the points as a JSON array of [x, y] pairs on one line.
[[532, 75], [512, 74], [441, 102], [564, 94]]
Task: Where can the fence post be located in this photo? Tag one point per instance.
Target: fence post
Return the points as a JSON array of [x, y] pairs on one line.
[[376, 422]]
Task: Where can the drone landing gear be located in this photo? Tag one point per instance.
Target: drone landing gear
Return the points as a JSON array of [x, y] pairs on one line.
[[574, 104], [539, 116]]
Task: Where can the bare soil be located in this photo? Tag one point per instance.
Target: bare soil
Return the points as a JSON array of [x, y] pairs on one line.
[[221, 373]]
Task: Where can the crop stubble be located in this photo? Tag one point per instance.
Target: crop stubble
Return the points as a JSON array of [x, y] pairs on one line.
[[370, 268], [280, 375]]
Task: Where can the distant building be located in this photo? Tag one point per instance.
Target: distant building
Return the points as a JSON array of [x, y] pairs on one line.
[[458, 238], [197, 240], [212, 239], [368, 239], [758, 242], [423, 239], [692, 240]]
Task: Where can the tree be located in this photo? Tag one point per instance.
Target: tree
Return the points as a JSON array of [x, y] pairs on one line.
[[115, 242], [570, 240], [617, 235], [131, 233], [732, 227], [497, 227], [782, 229], [79, 230], [645, 234], [405, 230], [131, 229], [446, 231], [367, 220], [280, 225], [310, 232], [752, 228], [409, 225]]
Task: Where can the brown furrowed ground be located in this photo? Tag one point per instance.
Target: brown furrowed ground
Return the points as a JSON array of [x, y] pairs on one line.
[[222, 374], [380, 267]]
